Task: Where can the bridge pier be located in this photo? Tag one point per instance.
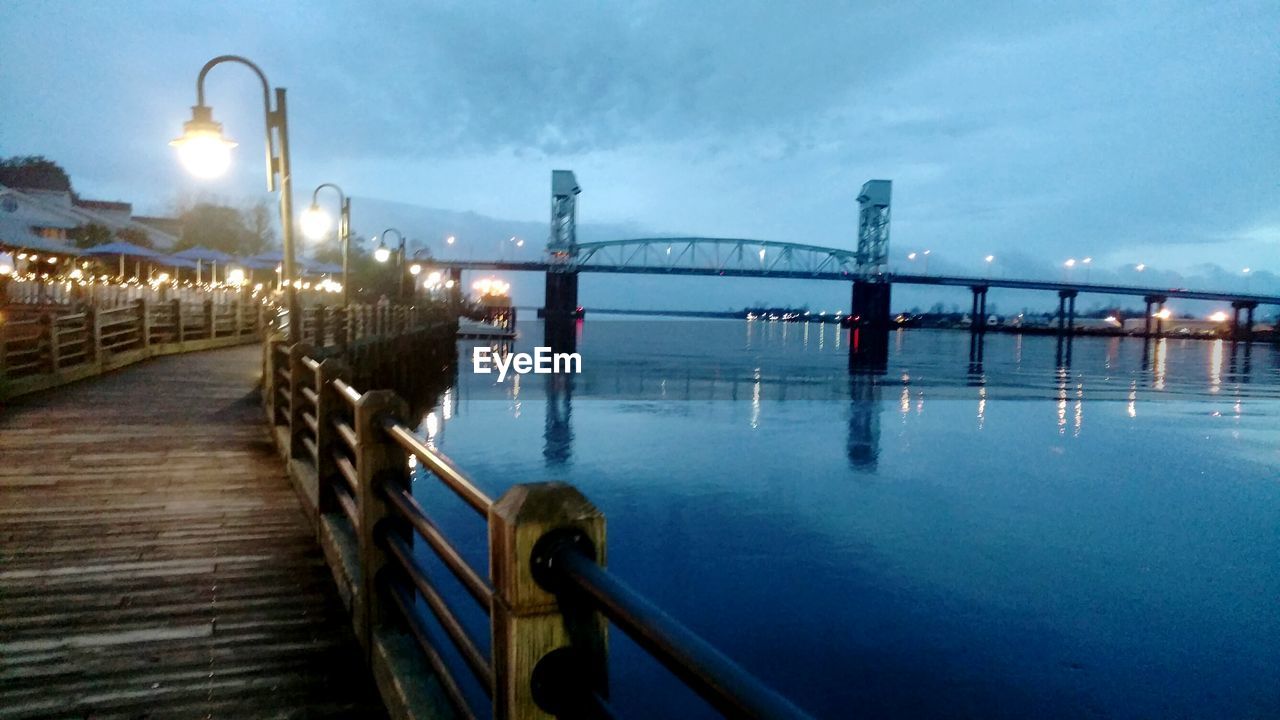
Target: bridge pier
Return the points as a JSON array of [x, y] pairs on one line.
[[978, 314], [1067, 312], [1236, 333], [560, 312], [869, 324], [1158, 302], [455, 291]]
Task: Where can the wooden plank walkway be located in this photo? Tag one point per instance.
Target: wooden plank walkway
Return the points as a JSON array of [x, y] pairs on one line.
[[154, 560]]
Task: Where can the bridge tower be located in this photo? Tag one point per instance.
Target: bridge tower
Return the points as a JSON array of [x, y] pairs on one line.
[[560, 308], [869, 320]]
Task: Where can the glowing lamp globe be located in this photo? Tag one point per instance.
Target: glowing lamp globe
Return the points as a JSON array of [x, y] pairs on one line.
[[382, 253], [203, 149], [414, 269], [315, 222], [235, 276]]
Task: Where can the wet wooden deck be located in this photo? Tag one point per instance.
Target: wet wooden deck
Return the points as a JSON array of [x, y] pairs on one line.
[[154, 560]]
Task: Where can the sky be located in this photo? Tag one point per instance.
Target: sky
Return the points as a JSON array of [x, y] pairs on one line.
[[1129, 133]]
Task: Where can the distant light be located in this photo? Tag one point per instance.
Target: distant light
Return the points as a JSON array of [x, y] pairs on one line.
[[520, 242], [911, 256], [163, 277], [991, 258], [235, 276], [449, 284], [415, 268], [315, 222], [762, 253], [1219, 316], [1164, 314], [1071, 262], [450, 239], [1140, 267], [5, 269], [76, 273], [1245, 271], [1113, 319], [1087, 260]]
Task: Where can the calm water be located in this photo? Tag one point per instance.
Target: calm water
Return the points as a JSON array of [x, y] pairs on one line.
[[1021, 538]]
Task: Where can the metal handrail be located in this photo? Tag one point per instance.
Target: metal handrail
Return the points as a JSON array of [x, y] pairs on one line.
[[440, 466], [720, 681], [450, 686], [404, 503], [470, 651]]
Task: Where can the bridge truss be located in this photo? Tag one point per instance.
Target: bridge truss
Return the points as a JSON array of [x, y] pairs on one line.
[[715, 256]]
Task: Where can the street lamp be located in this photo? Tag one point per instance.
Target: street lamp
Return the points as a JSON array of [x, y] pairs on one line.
[[315, 223], [207, 153], [382, 253], [990, 259], [1088, 263], [1246, 272]]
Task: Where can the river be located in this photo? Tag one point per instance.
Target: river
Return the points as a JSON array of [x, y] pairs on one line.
[[1041, 535]]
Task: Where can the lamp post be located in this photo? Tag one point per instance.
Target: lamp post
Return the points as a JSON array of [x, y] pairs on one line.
[[989, 260], [315, 223], [382, 253], [207, 153]]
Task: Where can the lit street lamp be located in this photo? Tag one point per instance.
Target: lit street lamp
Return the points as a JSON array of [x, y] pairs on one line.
[[207, 153], [382, 253], [1088, 264], [315, 223], [990, 259], [1246, 272]]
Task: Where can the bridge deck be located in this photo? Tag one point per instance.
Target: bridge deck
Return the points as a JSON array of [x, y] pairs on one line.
[[154, 560]]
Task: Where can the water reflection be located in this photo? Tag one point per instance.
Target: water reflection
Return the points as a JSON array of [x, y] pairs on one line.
[[863, 446], [557, 447]]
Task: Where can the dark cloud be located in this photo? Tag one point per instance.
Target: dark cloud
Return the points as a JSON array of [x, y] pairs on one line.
[[1132, 134]]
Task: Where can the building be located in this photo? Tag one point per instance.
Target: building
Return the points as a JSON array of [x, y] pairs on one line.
[[44, 221]]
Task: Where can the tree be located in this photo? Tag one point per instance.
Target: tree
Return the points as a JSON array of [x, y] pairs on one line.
[[33, 172], [87, 236], [218, 227], [259, 218], [137, 236]]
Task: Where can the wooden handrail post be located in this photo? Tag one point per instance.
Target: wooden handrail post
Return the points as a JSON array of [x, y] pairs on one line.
[[51, 331], [320, 326], [210, 330], [528, 622], [340, 325], [179, 335], [298, 373], [379, 460], [328, 408], [144, 324], [239, 310], [93, 335]]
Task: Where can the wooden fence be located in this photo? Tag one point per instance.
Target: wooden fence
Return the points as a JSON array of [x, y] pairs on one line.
[[44, 348], [548, 597]]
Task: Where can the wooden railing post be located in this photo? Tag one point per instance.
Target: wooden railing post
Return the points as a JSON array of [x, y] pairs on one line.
[[379, 460], [341, 322], [298, 373], [51, 331], [93, 335], [179, 335], [328, 408], [239, 310], [210, 330], [144, 324], [528, 622], [319, 341]]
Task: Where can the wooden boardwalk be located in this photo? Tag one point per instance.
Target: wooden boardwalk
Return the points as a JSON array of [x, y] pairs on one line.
[[154, 560]]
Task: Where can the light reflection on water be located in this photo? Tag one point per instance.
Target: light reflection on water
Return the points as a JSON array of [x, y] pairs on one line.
[[1100, 540]]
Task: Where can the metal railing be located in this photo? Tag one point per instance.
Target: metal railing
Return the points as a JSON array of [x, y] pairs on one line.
[[546, 548]]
